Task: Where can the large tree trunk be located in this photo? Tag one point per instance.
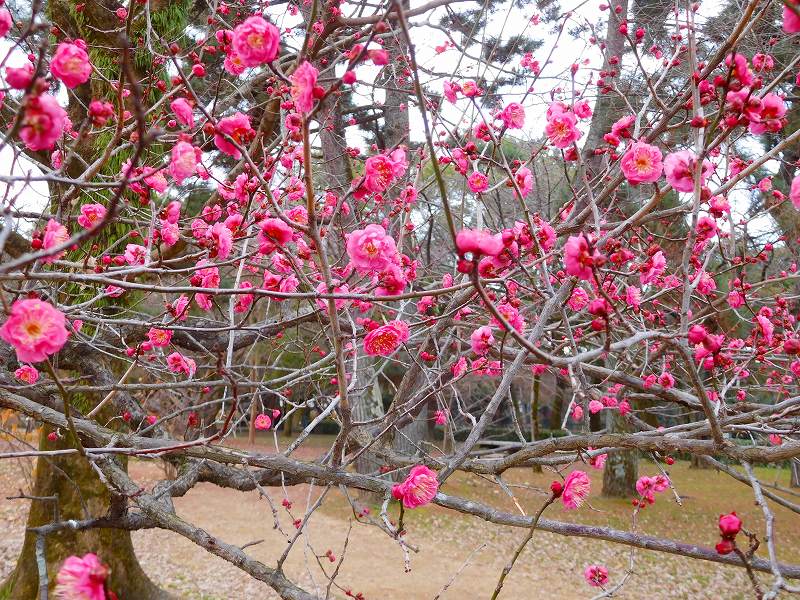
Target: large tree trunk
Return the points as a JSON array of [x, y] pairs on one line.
[[795, 470], [80, 494], [622, 468]]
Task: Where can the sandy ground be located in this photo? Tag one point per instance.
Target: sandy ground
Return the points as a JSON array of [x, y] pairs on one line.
[[449, 547]]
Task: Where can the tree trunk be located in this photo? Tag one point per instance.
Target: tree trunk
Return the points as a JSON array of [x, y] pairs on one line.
[[80, 495], [535, 388], [622, 468], [795, 469]]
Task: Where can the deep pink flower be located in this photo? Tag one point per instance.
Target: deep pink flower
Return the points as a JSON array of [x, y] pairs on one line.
[[384, 340], [477, 182], [576, 488], [43, 123], [382, 169], [771, 116], [222, 238], [178, 363], [183, 111], [524, 179], [729, 525], [303, 81], [71, 65], [679, 168], [418, 489], [19, 78], [91, 214], [794, 192], [236, 127], [577, 259], [371, 249], [653, 268], [596, 575], [27, 373], [35, 328], [81, 579], [256, 41], [183, 161], [481, 340], [513, 116], [791, 21], [55, 235], [273, 233], [479, 242], [641, 163], [262, 422]]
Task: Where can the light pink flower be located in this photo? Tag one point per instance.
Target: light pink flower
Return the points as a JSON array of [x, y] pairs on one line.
[[524, 179], [459, 368], [27, 373], [596, 575], [183, 161], [91, 214], [371, 249], [43, 123], [450, 91], [794, 192], [55, 234], [303, 81], [223, 240], [236, 127], [679, 169], [35, 328], [561, 129], [576, 489], [71, 65], [159, 337], [81, 579], [384, 340], [418, 489], [135, 254], [262, 422], [513, 116], [256, 41], [183, 111], [641, 163], [479, 242]]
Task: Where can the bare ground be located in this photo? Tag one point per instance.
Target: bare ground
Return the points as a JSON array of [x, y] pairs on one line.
[[551, 567]]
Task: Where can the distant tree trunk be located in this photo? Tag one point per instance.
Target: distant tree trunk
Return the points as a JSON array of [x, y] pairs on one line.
[[795, 469], [80, 495], [622, 468], [535, 388]]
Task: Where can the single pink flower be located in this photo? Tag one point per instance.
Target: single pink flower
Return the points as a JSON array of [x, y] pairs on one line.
[[256, 41], [380, 170], [561, 129], [262, 422], [91, 214], [27, 373], [183, 161], [578, 260], [440, 417], [159, 337], [35, 328], [653, 268], [576, 488], [794, 192], [384, 340], [19, 78], [478, 182], [371, 249], [55, 235], [81, 579], [43, 123], [479, 242], [524, 179], [5, 22], [135, 254], [596, 575], [178, 363], [791, 20], [679, 168], [641, 163], [771, 116], [273, 233], [513, 116], [70, 64], [222, 239], [236, 127], [303, 81], [183, 111], [481, 340], [418, 489]]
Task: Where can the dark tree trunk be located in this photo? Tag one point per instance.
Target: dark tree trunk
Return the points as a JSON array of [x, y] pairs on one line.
[[795, 470], [80, 495], [622, 468]]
